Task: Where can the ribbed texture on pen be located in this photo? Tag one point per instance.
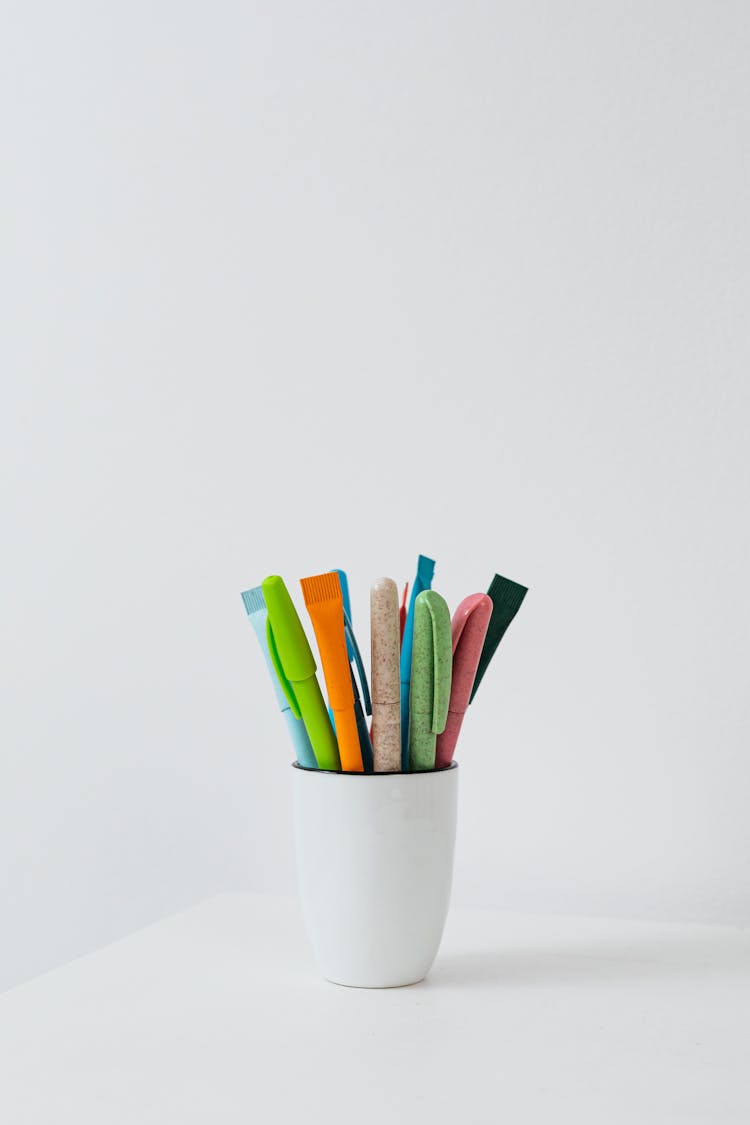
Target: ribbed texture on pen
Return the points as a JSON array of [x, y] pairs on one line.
[[506, 598], [506, 602], [321, 588], [254, 599]]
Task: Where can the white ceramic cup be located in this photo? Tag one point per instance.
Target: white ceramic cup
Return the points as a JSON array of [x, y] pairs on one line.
[[375, 864]]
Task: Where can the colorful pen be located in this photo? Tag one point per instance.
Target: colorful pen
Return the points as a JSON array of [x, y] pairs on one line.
[[386, 687], [430, 678], [365, 744], [325, 604], [423, 581], [258, 614], [468, 630], [355, 659], [344, 582], [295, 666]]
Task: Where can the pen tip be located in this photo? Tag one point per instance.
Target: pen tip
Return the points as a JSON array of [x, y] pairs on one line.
[[384, 584]]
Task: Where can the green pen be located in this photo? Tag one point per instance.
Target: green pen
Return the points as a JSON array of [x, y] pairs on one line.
[[295, 666], [431, 670]]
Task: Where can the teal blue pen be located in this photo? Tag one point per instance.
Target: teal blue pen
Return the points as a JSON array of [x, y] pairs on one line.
[[365, 744], [255, 604], [347, 609], [423, 581]]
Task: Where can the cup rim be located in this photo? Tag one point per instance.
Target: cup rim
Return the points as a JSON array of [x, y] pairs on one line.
[[360, 773]]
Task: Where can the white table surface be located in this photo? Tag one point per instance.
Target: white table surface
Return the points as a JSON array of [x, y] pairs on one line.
[[218, 1015]]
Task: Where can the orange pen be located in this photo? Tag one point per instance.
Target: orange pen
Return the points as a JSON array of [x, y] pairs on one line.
[[325, 604]]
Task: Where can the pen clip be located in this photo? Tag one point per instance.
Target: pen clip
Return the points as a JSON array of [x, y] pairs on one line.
[[442, 660], [476, 604], [353, 647], [286, 686], [459, 631]]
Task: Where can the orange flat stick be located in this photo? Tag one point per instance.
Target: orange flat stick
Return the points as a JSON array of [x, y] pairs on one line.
[[325, 604]]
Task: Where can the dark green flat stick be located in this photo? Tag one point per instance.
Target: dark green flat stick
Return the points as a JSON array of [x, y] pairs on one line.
[[506, 602]]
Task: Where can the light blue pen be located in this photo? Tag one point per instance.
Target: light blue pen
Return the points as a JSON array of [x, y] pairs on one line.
[[255, 604], [423, 581]]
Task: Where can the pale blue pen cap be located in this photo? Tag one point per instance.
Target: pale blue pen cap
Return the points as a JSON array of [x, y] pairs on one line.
[[257, 611]]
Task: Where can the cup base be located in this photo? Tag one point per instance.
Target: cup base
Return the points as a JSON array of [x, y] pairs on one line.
[[396, 984]]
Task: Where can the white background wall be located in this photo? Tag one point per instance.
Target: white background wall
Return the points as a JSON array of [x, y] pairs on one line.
[[290, 286]]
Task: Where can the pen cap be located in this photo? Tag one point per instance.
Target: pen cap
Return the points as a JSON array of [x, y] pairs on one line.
[[291, 642], [506, 601], [422, 582], [432, 658], [325, 604], [385, 641], [258, 615], [468, 630]]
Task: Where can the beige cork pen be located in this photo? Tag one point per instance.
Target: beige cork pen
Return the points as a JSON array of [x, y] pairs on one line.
[[386, 685]]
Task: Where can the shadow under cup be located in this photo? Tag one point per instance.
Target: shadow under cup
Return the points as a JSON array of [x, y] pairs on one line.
[[375, 865]]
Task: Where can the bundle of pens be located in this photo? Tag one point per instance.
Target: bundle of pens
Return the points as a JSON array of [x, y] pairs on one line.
[[425, 668]]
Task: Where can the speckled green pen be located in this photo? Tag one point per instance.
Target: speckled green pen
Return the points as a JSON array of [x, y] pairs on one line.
[[431, 667]]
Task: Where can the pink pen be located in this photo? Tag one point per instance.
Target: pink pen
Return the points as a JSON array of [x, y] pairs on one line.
[[468, 630]]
